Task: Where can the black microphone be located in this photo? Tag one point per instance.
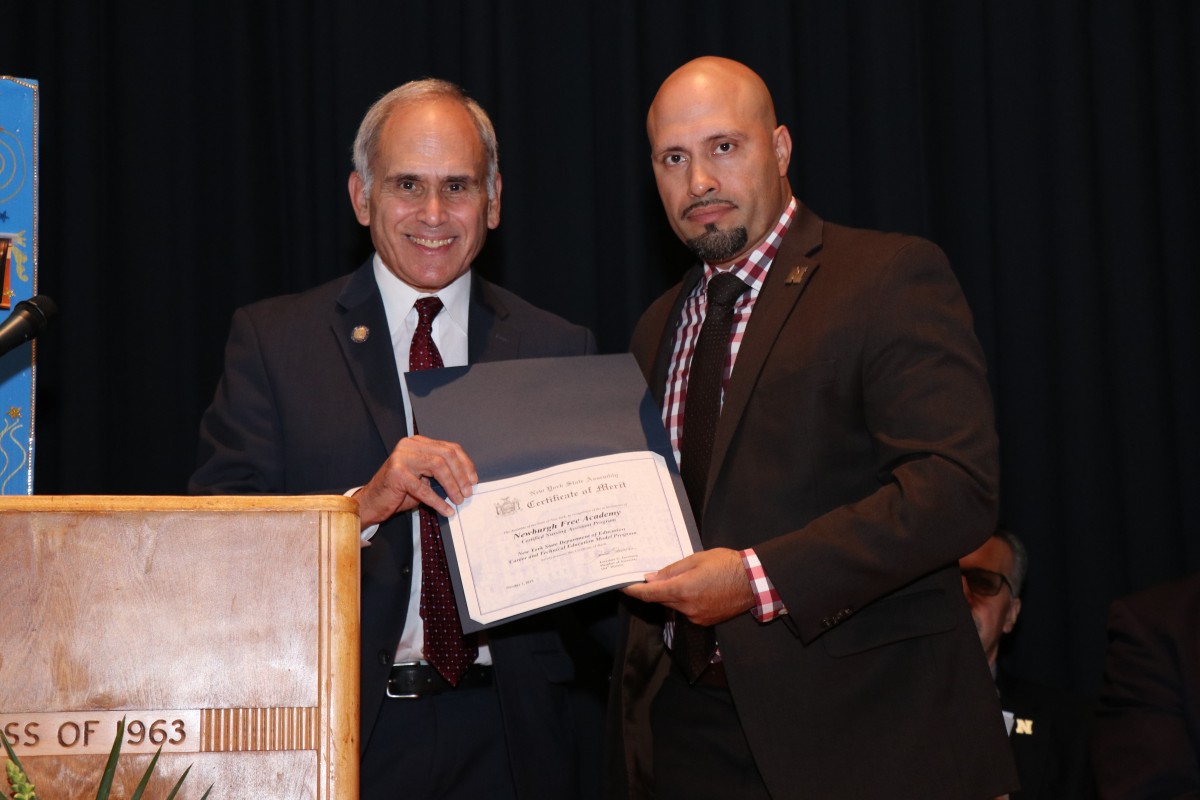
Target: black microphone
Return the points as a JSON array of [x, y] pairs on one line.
[[27, 320]]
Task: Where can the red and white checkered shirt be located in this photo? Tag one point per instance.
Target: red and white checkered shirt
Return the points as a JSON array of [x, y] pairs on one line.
[[753, 270], [767, 603]]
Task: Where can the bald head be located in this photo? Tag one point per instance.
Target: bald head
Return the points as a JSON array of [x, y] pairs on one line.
[[720, 159], [706, 80]]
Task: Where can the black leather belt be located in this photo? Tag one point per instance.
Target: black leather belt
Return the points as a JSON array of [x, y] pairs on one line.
[[413, 679]]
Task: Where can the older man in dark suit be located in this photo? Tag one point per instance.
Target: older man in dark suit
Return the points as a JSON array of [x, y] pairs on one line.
[[820, 645], [311, 401]]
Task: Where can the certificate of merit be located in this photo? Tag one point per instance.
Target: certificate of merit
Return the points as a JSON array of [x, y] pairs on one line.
[[545, 538]]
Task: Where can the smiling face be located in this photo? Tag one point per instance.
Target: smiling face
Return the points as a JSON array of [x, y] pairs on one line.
[[428, 207], [719, 159]]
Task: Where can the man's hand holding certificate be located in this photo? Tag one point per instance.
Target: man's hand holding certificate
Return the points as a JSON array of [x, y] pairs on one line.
[[578, 493]]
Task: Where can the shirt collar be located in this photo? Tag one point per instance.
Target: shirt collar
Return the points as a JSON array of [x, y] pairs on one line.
[[399, 297], [753, 268]]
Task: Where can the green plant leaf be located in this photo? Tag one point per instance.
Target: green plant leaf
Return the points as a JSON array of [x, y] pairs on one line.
[[179, 783], [207, 792], [141, 787], [110, 768], [12, 756]]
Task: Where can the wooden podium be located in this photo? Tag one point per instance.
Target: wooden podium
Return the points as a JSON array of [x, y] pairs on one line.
[[223, 628]]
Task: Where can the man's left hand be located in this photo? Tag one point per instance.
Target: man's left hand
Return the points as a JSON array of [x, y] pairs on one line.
[[707, 587]]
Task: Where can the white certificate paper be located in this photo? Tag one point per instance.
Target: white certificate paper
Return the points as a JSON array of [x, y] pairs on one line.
[[545, 538]]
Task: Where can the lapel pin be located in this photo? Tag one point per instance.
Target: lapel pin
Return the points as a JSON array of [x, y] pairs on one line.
[[796, 275], [360, 334], [1025, 726]]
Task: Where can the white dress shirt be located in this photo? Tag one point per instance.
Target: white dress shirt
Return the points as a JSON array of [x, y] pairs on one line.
[[450, 336]]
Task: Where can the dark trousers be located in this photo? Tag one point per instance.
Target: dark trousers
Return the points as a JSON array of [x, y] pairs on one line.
[[700, 750], [449, 746]]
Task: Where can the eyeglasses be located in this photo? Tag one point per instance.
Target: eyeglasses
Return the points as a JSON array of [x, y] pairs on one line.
[[985, 583]]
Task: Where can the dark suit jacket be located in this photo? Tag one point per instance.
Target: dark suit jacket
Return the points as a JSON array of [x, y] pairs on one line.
[[1051, 741], [856, 453], [1147, 730], [303, 408]]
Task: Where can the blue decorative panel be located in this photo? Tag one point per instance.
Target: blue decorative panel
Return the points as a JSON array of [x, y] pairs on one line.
[[18, 262]]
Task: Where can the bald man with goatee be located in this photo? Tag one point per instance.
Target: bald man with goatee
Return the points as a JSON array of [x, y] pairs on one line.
[[819, 646]]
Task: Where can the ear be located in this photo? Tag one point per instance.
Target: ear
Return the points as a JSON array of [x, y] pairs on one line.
[[493, 214], [781, 140], [1010, 617], [359, 199]]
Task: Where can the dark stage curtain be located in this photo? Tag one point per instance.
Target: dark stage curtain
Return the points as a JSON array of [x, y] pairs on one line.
[[195, 155]]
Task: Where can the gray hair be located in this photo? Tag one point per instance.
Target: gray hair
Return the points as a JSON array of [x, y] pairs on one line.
[[367, 140], [1020, 558]]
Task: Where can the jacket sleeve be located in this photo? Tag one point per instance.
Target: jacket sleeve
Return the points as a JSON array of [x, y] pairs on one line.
[[240, 446], [904, 390]]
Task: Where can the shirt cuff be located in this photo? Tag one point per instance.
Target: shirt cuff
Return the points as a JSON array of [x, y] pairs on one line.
[[767, 603], [369, 531]]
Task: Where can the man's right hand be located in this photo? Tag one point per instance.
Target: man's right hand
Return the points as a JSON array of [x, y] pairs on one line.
[[403, 482]]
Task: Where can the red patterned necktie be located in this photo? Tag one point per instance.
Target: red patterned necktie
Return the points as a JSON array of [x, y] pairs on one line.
[[693, 646], [446, 648]]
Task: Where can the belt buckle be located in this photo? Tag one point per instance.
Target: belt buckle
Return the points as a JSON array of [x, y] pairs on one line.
[[388, 689]]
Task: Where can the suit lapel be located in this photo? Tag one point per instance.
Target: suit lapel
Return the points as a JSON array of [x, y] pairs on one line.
[[371, 359], [790, 272], [488, 337]]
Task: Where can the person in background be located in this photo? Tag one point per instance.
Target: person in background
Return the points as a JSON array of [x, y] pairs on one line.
[[1147, 730], [311, 402], [828, 402], [1048, 729]]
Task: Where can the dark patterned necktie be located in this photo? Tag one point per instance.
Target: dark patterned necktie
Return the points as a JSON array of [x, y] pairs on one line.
[[694, 645], [446, 648]]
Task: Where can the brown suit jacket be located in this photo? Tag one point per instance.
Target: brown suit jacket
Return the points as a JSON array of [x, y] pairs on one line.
[[856, 452]]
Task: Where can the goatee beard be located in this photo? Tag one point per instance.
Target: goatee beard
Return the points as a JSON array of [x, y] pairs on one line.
[[716, 246]]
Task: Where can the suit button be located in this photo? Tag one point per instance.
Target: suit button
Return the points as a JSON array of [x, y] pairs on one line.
[[406, 570], [385, 658]]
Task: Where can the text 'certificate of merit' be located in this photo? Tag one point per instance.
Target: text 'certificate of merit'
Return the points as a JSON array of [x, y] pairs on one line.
[[545, 538]]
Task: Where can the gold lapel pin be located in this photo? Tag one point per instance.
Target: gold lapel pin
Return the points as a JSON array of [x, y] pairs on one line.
[[360, 334], [796, 275]]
